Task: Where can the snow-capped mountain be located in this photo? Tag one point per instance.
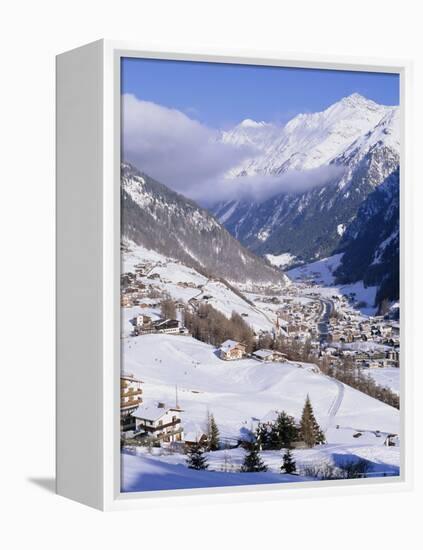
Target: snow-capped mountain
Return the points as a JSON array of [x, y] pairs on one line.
[[370, 245], [164, 221], [309, 140], [355, 139], [257, 135]]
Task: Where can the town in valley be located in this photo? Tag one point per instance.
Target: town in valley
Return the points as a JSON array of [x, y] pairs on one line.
[[322, 335]]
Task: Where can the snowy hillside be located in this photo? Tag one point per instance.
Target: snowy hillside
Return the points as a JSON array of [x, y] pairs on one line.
[[322, 275], [160, 219], [173, 278], [239, 393]]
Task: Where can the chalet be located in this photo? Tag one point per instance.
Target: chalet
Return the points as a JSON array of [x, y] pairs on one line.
[[158, 421], [268, 355], [231, 350], [130, 399]]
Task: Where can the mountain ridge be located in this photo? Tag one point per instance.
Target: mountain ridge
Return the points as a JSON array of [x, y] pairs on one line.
[[307, 224], [165, 221]]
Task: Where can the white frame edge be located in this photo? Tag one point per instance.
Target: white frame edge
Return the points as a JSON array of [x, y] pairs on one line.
[[106, 490]]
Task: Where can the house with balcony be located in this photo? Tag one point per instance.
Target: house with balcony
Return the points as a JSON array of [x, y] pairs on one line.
[[154, 419]]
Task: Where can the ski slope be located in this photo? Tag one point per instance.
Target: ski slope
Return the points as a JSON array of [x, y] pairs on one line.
[[239, 393]]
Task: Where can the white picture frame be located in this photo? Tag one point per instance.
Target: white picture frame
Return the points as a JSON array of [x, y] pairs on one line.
[[88, 273]]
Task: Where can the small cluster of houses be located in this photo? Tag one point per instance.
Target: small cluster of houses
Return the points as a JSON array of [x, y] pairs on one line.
[[352, 327], [144, 324], [133, 290], [299, 318], [371, 358], [231, 350]]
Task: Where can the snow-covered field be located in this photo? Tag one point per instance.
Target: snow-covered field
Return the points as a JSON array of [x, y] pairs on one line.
[[387, 376], [320, 273], [149, 473], [282, 260], [239, 393], [155, 470]]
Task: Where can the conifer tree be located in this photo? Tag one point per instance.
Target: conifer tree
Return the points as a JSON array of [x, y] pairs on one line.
[[213, 434], [310, 430], [196, 459], [288, 465], [253, 461], [263, 437], [284, 432]]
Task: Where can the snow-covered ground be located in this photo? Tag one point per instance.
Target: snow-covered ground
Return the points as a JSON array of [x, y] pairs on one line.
[[149, 473], [321, 275], [282, 260], [155, 469], [238, 392], [320, 271], [387, 376]]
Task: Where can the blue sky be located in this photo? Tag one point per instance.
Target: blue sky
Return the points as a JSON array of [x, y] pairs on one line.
[[221, 95]]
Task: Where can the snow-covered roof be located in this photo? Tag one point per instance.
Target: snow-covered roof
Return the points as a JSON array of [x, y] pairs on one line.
[[129, 376], [229, 345], [150, 411], [194, 436]]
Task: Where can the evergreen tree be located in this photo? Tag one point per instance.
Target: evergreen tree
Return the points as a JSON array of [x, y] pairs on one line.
[[263, 437], [196, 459], [310, 430], [253, 461], [284, 432], [213, 434], [288, 466]]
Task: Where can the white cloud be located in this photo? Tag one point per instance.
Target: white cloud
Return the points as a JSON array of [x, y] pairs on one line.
[[188, 157], [166, 144]]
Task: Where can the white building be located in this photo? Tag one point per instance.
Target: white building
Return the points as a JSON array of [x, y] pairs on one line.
[[230, 350], [156, 420]]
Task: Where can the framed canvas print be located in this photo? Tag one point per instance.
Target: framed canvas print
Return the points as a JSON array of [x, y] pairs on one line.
[[231, 240]]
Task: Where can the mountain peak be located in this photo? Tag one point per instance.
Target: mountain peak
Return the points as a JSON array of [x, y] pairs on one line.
[[357, 100], [250, 123]]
